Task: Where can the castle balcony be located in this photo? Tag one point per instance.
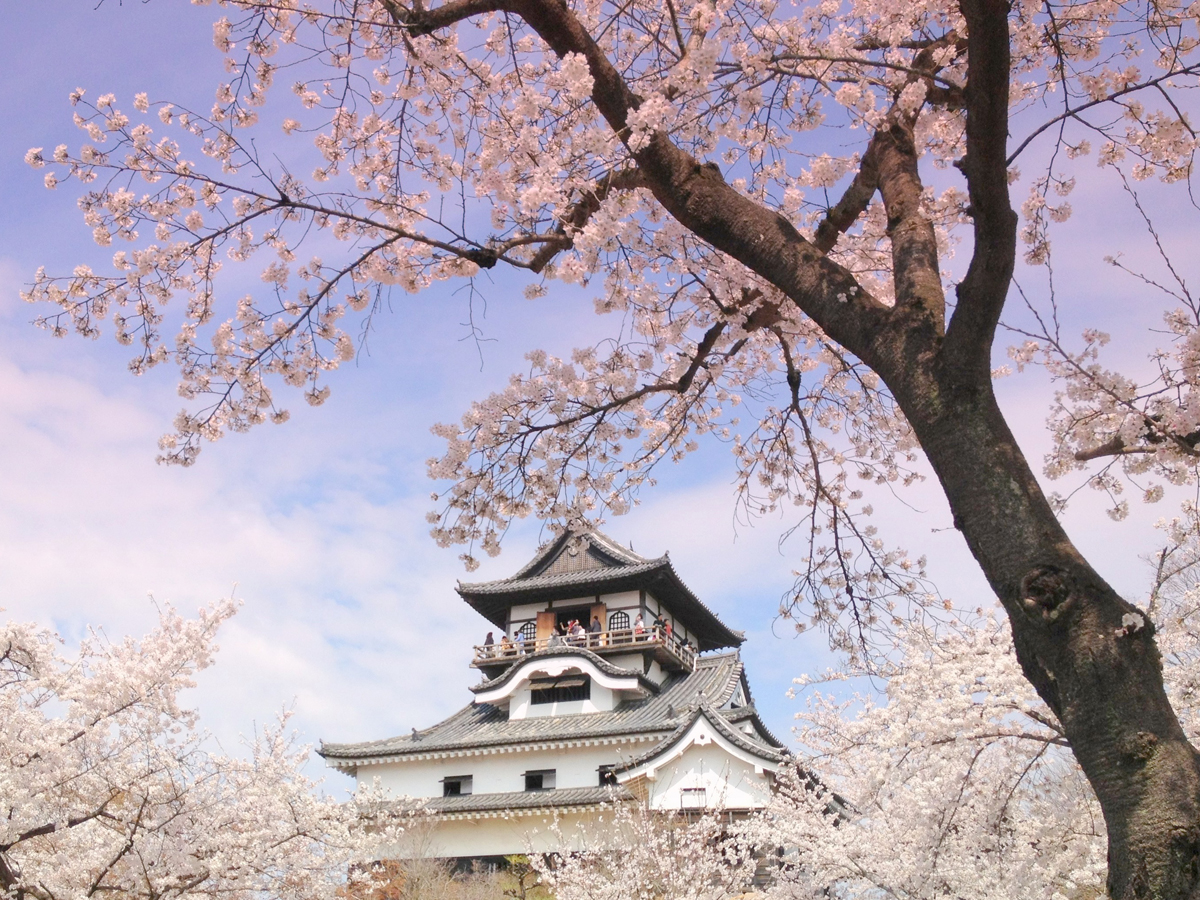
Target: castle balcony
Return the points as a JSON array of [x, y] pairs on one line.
[[668, 649]]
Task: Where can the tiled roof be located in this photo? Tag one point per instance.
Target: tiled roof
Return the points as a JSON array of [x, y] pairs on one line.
[[517, 584], [595, 539], [718, 720], [601, 566], [483, 725], [588, 796], [599, 662]]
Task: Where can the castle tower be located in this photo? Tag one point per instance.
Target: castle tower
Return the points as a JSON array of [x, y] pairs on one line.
[[645, 701]]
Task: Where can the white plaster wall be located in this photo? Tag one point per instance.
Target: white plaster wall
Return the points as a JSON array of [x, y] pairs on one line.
[[521, 706], [573, 601], [500, 836], [629, 601], [729, 782], [498, 772]]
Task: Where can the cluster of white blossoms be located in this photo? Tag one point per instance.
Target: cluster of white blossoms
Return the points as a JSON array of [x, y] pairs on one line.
[[108, 788], [956, 783], [952, 778], [631, 853], [454, 138]]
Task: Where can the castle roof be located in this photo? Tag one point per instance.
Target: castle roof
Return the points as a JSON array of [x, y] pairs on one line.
[[510, 801], [598, 661], [658, 717], [593, 564]]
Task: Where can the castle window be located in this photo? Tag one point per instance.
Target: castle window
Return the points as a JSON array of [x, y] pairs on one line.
[[539, 780], [607, 776], [456, 785], [529, 631], [618, 621], [693, 798], [561, 690]]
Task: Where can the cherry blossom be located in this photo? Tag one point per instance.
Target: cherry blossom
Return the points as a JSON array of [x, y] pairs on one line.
[[108, 786]]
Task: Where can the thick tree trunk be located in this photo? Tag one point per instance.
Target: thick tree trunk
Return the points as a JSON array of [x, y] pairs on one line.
[[1088, 653], [1084, 648]]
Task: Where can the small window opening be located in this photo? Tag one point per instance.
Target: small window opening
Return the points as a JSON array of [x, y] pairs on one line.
[[539, 780], [456, 785], [529, 631], [561, 690], [607, 776]]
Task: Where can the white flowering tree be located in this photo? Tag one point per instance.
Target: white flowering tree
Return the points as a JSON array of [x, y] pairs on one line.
[[767, 197], [629, 852], [957, 780], [107, 789]]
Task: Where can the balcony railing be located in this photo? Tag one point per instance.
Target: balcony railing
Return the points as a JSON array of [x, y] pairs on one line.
[[622, 640]]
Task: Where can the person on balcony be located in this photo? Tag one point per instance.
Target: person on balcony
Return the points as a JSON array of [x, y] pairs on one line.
[[578, 634], [639, 626], [506, 646], [489, 644], [520, 641], [594, 631]]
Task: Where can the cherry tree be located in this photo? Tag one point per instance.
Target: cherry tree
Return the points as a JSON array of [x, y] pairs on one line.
[[107, 788], [957, 780], [767, 197], [629, 852]]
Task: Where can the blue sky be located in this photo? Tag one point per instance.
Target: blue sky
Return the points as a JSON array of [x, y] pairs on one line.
[[350, 617]]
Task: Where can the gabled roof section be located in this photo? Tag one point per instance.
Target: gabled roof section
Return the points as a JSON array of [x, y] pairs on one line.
[[482, 725], [593, 564], [599, 662], [703, 709], [572, 553]]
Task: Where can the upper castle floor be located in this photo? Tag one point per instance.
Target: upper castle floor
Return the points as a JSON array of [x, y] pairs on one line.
[[634, 611]]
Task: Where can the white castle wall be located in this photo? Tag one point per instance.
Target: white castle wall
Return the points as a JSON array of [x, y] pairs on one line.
[[498, 772]]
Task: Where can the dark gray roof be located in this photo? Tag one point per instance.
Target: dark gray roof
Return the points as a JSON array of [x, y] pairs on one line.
[[722, 726], [598, 566], [588, 796], [599, 662], [484, 725]]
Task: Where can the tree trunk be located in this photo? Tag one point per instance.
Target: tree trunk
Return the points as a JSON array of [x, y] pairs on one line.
[[1084, 648]]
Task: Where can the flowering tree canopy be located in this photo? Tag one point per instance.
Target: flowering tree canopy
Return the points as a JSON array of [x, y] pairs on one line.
[[768, 196], [959, 782], [630, 852], [107, 788]]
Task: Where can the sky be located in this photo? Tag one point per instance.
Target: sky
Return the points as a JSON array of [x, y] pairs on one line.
[[349, 616]]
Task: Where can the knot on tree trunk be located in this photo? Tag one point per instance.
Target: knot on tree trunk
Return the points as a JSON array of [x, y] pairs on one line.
[[1138, 747], [1046, 592]]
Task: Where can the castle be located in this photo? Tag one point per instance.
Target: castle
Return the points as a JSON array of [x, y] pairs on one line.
[[645, 700]]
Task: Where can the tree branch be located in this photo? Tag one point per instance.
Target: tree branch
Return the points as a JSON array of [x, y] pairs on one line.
[[982, 293]]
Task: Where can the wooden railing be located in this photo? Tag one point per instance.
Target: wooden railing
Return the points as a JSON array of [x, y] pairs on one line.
[[603, 642]]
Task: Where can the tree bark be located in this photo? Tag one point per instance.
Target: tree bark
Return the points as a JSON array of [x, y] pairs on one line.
[[1079, 643], [1090, 654]]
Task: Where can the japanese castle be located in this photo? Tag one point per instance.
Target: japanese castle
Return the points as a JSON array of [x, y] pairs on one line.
[[651, 706]]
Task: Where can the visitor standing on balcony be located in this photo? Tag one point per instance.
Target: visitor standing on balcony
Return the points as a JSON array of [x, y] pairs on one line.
[[639, 625], [489, 644]]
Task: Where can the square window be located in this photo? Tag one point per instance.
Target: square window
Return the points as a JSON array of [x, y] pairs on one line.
[[456, 785], [607, 776], [539, 780]]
